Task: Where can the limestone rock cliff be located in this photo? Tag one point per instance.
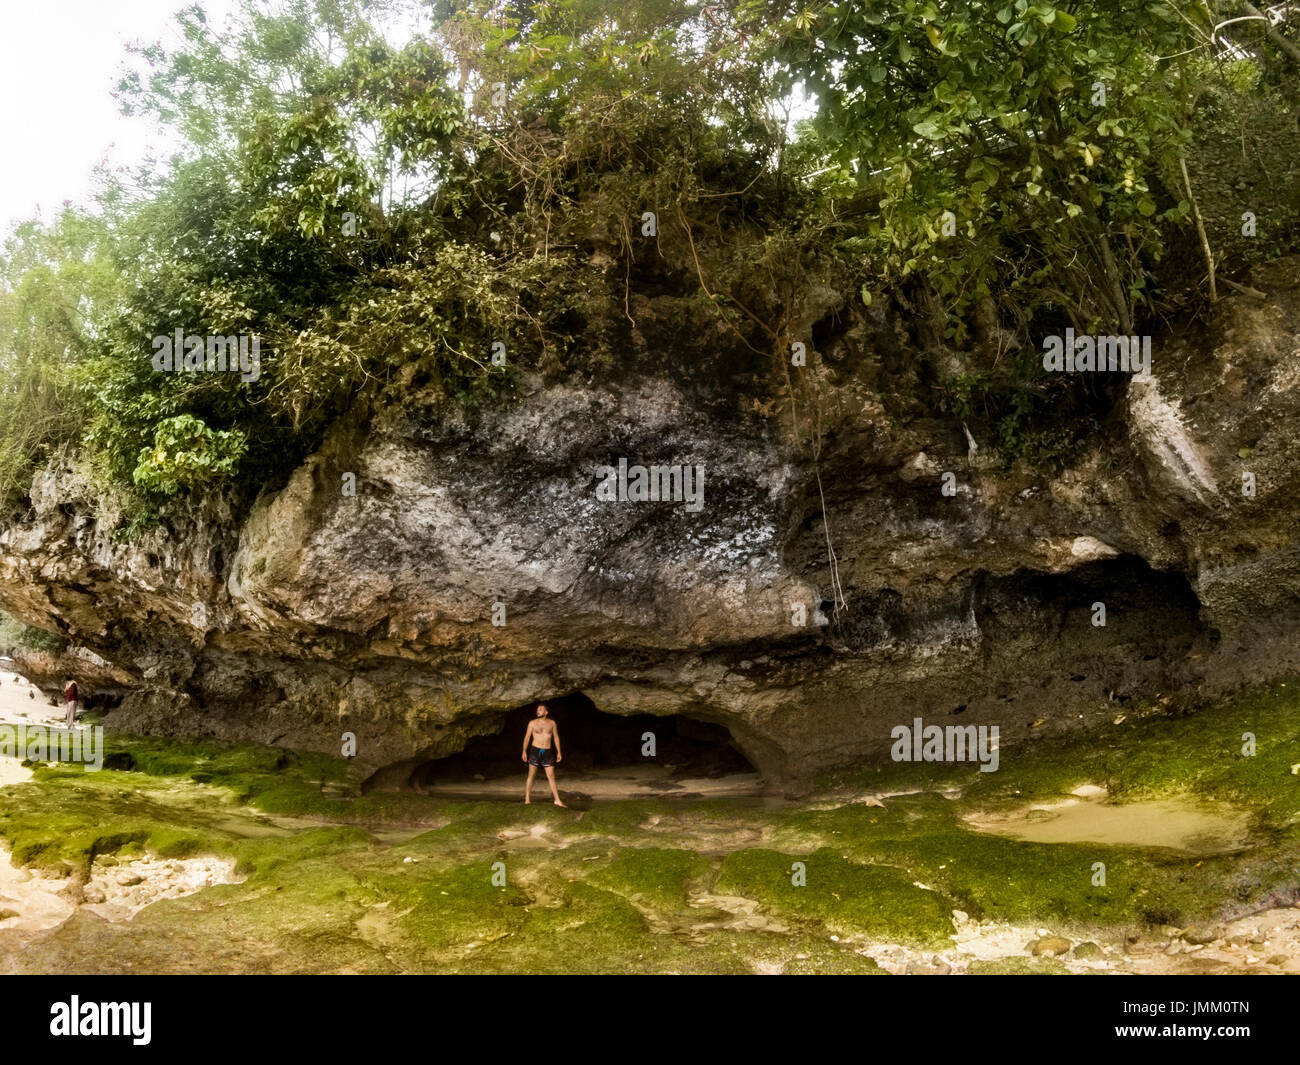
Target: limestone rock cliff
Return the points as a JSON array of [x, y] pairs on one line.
[[325, 610]]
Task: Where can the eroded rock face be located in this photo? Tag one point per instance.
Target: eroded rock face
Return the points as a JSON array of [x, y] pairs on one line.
[[51, 669], [322, 612]]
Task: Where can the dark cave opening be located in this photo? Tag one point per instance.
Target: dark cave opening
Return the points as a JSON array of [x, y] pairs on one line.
[[593, 743]]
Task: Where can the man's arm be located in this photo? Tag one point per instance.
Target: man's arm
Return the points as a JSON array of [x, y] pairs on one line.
[[528, 735], [555, 732]]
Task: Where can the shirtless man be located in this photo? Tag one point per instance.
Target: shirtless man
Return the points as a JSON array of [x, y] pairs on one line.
[[542, 748]]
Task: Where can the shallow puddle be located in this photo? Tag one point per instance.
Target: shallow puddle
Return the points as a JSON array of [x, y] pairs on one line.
[[1179, 824]]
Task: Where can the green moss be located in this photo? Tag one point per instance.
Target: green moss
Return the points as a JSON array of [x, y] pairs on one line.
[[1152, 752], [606, 890], [456, 908], [1197, 750], [1011, 880], [262, 857], [844, 896], [591, 931], [656, 875], [61, 827], [791, 955], [614, 818], [1018, 967]]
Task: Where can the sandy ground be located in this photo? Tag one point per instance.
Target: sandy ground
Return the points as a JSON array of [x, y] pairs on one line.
[[630, 782], [117, 890], [21, 701]]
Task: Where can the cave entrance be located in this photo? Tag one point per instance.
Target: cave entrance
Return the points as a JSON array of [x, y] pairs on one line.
[[602, 758]]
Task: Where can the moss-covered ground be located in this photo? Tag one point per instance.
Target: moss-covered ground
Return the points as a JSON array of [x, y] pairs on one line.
[[337, 881]]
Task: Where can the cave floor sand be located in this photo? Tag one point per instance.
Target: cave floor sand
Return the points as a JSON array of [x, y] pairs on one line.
[[579, 789]]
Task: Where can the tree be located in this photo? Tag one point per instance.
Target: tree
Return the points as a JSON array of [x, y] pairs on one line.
[[1014, 144]]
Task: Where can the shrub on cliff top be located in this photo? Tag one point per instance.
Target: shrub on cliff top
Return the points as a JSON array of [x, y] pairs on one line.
[[550, 177]]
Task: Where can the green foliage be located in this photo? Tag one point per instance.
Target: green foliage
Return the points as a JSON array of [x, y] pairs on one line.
[[186, 453], [1023, 423], [1245, 156], [380, 214], [978, 133], [56, 281]]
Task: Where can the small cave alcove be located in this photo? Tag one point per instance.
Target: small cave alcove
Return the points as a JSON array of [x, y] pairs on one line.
[[602, 756]]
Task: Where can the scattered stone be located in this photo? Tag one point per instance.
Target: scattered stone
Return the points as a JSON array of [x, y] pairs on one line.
[[93, 895], [1175, 947], [920, 968], [1088, 951], [130, 879], [1049, 947], [6, 914], [1278, 959], [1202, 934]]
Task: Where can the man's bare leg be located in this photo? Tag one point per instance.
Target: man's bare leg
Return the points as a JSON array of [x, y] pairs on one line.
[[550, 779], [528, 784]]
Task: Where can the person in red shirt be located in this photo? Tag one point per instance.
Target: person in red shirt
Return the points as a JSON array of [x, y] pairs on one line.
[[70, 695]]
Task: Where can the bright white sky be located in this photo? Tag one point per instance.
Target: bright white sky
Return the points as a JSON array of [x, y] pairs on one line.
[[61, 64], [62, 60]]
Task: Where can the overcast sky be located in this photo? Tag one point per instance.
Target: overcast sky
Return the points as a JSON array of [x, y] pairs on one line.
[[61, 63], [62, 60]]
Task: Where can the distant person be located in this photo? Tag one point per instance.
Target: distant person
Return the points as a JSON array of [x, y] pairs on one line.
[[542, 748], [70, 696]]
